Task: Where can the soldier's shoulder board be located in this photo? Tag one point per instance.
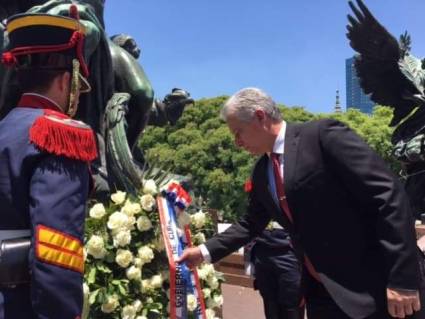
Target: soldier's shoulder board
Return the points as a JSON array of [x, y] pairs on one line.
[[56, 133]]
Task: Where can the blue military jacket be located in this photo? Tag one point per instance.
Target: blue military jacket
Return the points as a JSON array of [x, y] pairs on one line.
[[44, 189]]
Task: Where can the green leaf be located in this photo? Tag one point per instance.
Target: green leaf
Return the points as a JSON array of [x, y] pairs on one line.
[[93, 295], [122, 290], [101, 297], [103, 268], [92, 276]]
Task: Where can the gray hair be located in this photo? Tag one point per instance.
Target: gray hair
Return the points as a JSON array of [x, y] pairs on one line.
[[245, 102]]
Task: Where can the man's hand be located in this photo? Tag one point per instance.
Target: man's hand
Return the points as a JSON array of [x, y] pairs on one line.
[[402, 303], [191, 256], [421, 243]]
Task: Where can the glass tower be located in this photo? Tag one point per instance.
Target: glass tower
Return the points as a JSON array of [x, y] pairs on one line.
[[354, 93]]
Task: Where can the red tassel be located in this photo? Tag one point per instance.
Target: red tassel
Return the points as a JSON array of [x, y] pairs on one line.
[[8, 59], [55, 136]]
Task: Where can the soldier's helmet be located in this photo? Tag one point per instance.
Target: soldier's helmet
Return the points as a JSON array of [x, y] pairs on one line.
[[50, 42]]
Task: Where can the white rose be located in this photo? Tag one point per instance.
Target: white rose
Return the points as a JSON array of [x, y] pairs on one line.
[[213, 282], [206, 292], [143, 223], [138, 262], [145, 254], [131, 209], [209, 269], [123, 258], [199, 238], [210, 313], [148, 202], [95, 243], [137, 304], [206, 271], [146, 285], [218, 299], [183, 219], [97, 211], [110, 304], [149, 187], [159, 243], [215, 302], [128, 312], [198, 219], [118, 197], [133, 273], [192, 303], [96, 247], [202, 274], [117, 220], [122, 238], [98, 254], [156, 281], [130, 223]]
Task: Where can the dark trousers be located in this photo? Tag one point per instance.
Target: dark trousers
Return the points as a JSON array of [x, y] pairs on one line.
[[320, 304], [278, 279]]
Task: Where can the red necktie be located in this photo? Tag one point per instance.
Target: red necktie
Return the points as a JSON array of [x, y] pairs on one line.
[[280, 190]]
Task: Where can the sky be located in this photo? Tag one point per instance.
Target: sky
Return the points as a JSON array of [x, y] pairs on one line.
[[295, 50]]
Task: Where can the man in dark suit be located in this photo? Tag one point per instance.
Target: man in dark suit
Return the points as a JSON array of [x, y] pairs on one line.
[[347, 214], [277, 274]]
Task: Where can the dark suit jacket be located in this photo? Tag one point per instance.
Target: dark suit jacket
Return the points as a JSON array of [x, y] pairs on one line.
[[351, 216]]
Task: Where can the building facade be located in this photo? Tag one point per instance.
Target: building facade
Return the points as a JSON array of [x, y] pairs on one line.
[[354, 94]]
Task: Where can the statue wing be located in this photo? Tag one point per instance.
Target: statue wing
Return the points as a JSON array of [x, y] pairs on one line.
[[390, 77]]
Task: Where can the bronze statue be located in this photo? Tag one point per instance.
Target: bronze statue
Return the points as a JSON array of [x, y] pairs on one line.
[[395, 78], [122, 100]]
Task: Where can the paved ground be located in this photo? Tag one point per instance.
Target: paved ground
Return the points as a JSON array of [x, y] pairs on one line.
[[241, 303]]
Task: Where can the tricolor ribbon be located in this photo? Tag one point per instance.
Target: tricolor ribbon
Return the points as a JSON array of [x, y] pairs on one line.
[[178, 196], [182, 279]]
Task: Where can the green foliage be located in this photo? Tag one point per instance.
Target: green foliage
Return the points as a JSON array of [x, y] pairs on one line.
[[296, 114], [201, 146]]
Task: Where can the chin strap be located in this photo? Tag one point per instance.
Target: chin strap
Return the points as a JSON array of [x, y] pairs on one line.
[[75, 85]]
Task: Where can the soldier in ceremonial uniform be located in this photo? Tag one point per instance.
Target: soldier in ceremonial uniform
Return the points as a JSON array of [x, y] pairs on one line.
[[44, 171]]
